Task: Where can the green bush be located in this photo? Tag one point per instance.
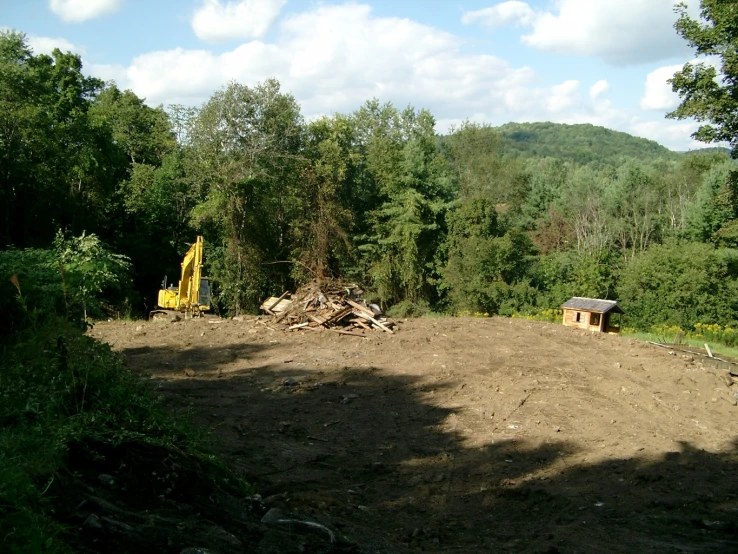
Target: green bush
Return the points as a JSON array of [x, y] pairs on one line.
[[71, 278], [679, 283], [61, 389]]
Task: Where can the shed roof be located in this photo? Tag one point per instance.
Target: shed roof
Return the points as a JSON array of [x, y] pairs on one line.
[[592, 305]]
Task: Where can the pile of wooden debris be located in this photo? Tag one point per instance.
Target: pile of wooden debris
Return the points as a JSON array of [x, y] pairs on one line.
[[327, 305]]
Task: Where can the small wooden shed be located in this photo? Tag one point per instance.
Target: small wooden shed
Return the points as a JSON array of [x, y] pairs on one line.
[[592, 314]]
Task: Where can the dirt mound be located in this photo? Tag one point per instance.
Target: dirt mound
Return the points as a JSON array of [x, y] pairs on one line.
[[462, 435]]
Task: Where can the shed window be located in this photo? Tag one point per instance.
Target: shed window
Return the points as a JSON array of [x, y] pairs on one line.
[[579, 317], [594, 319]]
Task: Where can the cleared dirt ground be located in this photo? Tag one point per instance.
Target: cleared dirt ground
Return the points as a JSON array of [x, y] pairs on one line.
[[462, 435]]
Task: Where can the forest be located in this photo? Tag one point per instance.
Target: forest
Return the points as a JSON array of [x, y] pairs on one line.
[[482, 220], [101, 194]]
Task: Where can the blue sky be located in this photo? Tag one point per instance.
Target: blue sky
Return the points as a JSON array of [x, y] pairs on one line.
[[603, 62]]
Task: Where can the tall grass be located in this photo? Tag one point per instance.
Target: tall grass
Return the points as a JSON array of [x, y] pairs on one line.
[[675, 335]]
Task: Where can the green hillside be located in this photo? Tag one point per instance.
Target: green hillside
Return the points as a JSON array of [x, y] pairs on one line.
[[710, 150], [585, 144]]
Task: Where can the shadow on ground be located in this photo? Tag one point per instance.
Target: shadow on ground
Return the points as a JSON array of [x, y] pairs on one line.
[[369, 455]]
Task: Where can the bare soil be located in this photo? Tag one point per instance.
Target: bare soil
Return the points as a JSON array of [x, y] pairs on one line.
[[461, 434]]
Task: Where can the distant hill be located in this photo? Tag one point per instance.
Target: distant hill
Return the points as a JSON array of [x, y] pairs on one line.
[[710, 150], [583, 144]]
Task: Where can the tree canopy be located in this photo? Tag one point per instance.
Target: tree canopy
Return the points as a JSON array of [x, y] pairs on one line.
[[709, 88], [485, 220]]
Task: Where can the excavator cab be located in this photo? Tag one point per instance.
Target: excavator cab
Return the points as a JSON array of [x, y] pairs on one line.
[[192, 295]]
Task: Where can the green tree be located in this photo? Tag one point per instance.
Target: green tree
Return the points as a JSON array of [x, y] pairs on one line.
[[473, 153], [53, 165], [712, 208], [74, 277], [404, 177], [89, 269], [487, 264], [678, 283], [546, 180], [142, 134], [322, 230], [584, 207], [558, 276], [633, 205], [244, 161], [709, 94]]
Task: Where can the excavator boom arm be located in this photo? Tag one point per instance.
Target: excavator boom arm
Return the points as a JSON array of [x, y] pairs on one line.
[[189, 282], [193, 292]]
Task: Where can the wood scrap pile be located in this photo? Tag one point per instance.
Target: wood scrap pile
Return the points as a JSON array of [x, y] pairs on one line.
[[327, 305]]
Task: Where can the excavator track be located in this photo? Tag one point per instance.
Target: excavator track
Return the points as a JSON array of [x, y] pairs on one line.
[[169, 314]]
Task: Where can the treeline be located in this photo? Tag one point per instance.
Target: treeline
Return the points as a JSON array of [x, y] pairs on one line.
[[455, 224]]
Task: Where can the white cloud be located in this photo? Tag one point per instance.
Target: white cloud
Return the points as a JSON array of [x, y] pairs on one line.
[[512, 12], [46, 45], [215, 21], [564, 96], [598, 89], [76, 11], [676, 135], [334, 58], [658, 94], [621, 32]]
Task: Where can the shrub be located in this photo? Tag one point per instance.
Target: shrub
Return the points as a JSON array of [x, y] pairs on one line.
[[680, 284], [61, 390]]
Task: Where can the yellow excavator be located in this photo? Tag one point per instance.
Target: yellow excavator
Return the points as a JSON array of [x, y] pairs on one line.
[[192, 297]]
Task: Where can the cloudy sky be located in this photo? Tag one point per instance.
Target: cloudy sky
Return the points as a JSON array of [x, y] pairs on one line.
[[603, 62]]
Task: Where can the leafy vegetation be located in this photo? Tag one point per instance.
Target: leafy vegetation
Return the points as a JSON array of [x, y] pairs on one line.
[[101, 194], [62, 391], [485, 220], [708, 93], [584, 144]]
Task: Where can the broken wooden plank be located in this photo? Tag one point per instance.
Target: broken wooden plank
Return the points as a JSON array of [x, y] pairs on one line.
[[359, 307], [338, 316], [271, 307], [316, 318], [281, 316], [298, 326], [362, 324], [672, 347], [342, 332], [377, 323], [265, 325], [276, 305]]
